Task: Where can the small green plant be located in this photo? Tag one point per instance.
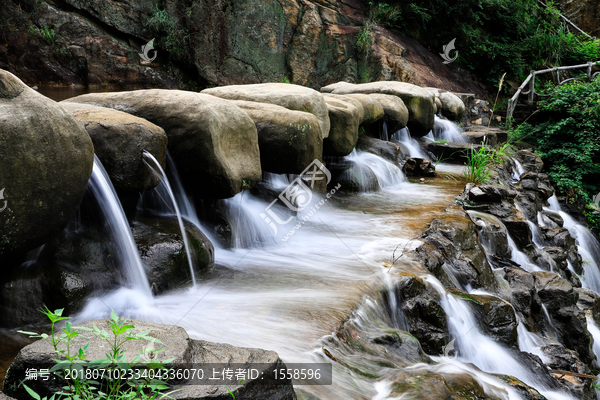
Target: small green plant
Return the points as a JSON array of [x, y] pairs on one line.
[[286, 80], [72, 366], [48, 35], [479, 164], [246, 185], [439, 141]]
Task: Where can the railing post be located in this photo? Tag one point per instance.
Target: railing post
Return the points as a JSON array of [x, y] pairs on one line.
[[531, 87], [589, 71]]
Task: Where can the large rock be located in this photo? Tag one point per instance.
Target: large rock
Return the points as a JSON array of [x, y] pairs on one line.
[[420, 102], [213, 142], [396, 113], [388, 150], [452, 107], [353, 177], [163, 252], [294, 97], [492, 233], [176, 345], [418, 167], [119, 142], [46, 159], [372, 109], [343, 134], [289, 140]]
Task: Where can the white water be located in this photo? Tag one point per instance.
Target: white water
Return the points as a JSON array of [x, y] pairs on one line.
[[444, 129], [551, 328], [530, 342], [474, 347], [403, 137], [155, 166], [587, 246], [518, 170], [519, 257], [388, 174], [536, 234], [116, 223]]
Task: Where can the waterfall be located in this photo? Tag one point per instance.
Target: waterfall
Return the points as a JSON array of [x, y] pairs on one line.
[[248, 229], [519, 257], [536, 234], [587, 246], [116, 223], [387, 174], [444, 129], [517, 171], [403, 137], [530, 342], [552, 329], [479, 349], [156, 168]]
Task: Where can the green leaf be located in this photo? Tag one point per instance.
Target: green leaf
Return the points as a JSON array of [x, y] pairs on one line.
[[32, 393]]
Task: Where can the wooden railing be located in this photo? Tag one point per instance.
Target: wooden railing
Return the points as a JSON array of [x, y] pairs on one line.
[[530, 80]]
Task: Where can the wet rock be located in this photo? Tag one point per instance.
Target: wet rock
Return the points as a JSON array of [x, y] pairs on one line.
[[425, 317], [119, 142], [5, 397], [525, 391], [452, 152], [530, 161], [419, 102], [478, 137], [353, 177], [552, 219], [523, 295], [418, 167], [388, 150], [177, 345], [496, 316], [492, 234], [490, 193], [588, 300], [559, 357], [560, 300], [343, 134], [455, 239], [396, 113], [213, 142], [293, 97], [452, 107], [46, 160], [288, 140], [164, 255]]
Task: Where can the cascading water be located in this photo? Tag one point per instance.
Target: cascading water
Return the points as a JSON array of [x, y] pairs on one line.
[[519, 257], [388, 174], [517, 171], [403, 137], [248, 229], [155, 166], [481, 350], [444, 129], [116, 223], [530, 342], [587, 245]]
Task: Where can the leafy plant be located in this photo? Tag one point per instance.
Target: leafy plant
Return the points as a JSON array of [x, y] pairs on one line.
[[567, 140], [72, 367], [481, 161], [48, 35], [172, 36]]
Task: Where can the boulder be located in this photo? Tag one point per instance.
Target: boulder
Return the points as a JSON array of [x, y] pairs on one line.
[[419, 102], [450, 105], [164, 255], [343, 133], [119, 142], [289, 140], [490, 193], [418, 167], [452, 152], [388, 150], [523, 296], [477, 137], [372, 109], [213, 142], [492, 233], [396, 113], [46, 159], [293, 97], [176, 345]]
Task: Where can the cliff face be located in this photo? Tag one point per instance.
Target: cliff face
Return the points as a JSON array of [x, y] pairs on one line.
[[311, 43], [583, 13]]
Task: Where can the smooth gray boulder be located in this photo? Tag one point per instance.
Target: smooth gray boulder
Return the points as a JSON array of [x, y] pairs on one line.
[[451, 106], [420, 102], [294, 97], [213, 142], [289, 140], [372, 109], [345, 118], [177, 344], [46, 159], [119, 142], [396, 113]]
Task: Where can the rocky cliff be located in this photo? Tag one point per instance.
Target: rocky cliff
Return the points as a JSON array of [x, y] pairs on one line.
[[207, 43]]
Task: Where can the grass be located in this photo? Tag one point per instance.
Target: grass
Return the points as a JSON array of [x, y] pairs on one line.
[[479, 165], [48, 35]]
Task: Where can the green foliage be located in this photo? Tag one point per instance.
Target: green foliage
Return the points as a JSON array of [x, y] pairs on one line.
[[568, 142], [48, 35], [492, 36], [71, 364], [286, 80], [480, 162], [170, 35]]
